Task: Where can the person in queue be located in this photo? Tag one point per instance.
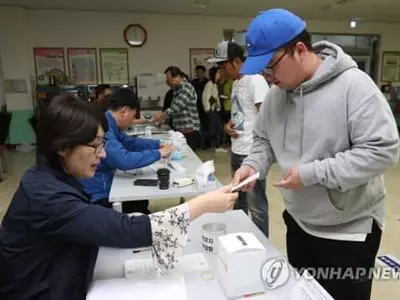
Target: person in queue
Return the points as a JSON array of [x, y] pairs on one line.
[[123, 151], [248, 94], [333, 134], [51, 233], [183, 109], [212, 107], [199, 83], [103, 93]]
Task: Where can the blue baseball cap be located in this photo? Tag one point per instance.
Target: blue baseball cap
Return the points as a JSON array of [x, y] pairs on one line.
[[269, 31]]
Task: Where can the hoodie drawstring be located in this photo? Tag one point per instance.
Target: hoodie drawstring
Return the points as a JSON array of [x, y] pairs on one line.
[[284, 122], [301, 121]]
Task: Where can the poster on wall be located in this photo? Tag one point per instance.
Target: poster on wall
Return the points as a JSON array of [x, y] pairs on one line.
[[390, 66], [114, 66], [198, 57], [49, 63], [82, 65], [151, 86]]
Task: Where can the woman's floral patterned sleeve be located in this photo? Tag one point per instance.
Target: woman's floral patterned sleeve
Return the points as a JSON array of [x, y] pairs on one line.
[[170, 230]]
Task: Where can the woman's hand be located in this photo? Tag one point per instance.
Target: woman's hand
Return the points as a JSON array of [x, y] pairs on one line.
[[218, 201], [158, 117], [139, 121]]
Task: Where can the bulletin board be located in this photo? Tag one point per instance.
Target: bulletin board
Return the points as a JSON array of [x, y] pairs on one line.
[[114, 66], [82, 66], [151, 86], [199, 56], [390, 71], [49, 62]]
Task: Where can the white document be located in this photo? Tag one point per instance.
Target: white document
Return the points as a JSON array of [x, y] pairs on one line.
[[145, 268], [307, 288], [168, 287], [177, 167]]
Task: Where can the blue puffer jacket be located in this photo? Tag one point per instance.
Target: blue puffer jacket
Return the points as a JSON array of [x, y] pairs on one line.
[[124, 153]]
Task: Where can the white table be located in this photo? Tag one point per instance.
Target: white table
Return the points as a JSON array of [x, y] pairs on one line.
[[122, 188], [110, 261]]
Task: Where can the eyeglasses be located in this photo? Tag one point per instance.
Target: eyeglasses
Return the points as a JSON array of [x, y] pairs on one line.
[[270, 70], [98, 147]]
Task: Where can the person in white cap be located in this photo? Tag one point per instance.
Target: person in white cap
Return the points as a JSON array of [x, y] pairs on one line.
[[332, 132], [248, 93]]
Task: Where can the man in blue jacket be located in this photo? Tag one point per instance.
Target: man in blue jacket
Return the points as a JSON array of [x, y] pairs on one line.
[[123, 152]]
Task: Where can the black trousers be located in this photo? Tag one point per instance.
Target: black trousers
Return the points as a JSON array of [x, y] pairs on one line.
[[307, 251], [192, 139], [128, 207]]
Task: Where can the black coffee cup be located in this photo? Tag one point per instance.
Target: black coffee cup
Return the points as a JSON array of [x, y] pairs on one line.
[[163, 178]]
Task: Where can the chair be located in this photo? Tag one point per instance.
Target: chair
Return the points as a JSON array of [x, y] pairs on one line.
[[5, 121]]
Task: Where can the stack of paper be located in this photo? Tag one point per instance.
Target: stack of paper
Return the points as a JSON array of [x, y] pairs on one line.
[[167, 287], [307, 288]]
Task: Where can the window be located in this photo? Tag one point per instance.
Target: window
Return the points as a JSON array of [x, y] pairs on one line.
[[343, 40], [317, 37], [363, 41], [238, 36]]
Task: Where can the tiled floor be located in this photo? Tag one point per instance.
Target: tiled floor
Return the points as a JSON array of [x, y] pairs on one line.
[[19, 162]]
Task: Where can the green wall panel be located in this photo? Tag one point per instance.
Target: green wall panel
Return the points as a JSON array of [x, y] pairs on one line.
[[20, 129]]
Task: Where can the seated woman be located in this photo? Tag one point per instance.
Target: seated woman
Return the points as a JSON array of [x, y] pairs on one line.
[[50, 235]]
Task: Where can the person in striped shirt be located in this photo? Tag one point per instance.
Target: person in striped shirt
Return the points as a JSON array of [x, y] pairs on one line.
[[183, 109]]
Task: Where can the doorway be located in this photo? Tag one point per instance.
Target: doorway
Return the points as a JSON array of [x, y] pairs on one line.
[[363, 62], [362, 48]]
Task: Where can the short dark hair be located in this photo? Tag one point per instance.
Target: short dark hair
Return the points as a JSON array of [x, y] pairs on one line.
[[304, 37], [234, 51], [175, 71], [200, 67], [67, 122], [100, 89], [124, 97], [212, 73]]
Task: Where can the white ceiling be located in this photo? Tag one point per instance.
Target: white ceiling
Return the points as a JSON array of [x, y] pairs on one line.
[[368, 10]]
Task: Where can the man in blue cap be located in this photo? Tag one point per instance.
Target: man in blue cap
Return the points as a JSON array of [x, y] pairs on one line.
[[248, 93], [330, 129]]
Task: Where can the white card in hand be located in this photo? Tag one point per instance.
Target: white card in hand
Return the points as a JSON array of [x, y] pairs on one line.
[[245, 182]]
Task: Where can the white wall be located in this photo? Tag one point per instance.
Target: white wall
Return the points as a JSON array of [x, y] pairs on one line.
[[15, 53], [169, 37]]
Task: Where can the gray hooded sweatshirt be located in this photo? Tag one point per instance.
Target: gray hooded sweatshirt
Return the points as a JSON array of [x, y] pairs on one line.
[[339, 130]]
